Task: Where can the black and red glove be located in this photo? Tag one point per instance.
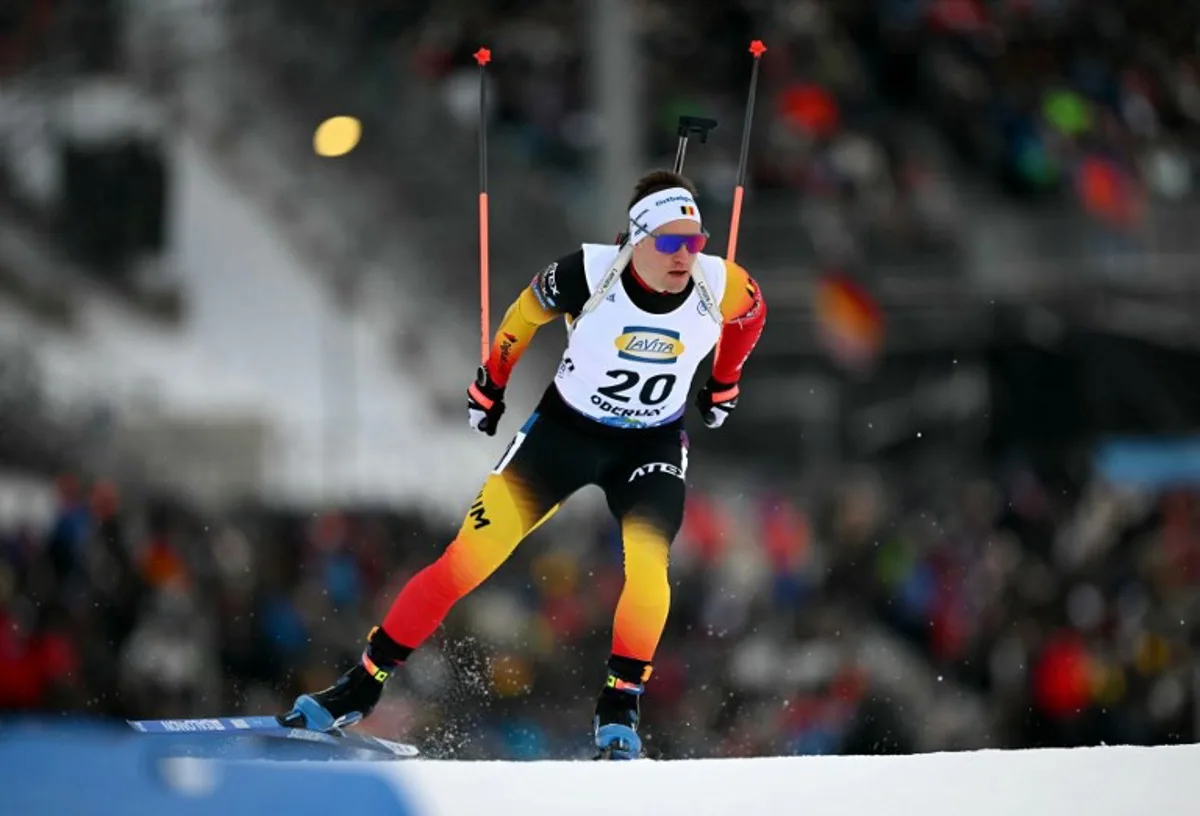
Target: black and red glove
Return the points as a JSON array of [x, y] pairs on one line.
[[485, 403], [716, 401]]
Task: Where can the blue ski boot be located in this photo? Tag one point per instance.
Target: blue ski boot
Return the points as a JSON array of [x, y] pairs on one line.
[[355, 694], [618, 710]]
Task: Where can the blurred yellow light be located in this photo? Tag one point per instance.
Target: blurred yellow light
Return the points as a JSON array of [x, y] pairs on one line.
[[337, 136]]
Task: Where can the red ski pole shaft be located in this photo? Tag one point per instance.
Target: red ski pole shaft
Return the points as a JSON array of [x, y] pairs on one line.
[[483, 56], [756, 48]]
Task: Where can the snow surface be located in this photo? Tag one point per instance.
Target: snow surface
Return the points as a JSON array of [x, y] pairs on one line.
[[1109, 781]]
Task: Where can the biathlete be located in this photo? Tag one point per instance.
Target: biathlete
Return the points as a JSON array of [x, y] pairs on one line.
[[612, 417]]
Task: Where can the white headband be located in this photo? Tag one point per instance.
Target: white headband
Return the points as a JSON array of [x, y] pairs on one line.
[[659, 208]]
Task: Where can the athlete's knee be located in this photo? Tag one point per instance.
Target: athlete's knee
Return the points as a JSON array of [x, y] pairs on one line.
[[657, 512], [466, 563], [647, 538]]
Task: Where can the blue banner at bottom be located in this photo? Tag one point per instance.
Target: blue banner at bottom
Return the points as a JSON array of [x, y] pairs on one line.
[[91, 770]]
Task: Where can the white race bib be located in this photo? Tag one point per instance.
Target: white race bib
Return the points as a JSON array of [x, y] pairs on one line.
[[627, 367]]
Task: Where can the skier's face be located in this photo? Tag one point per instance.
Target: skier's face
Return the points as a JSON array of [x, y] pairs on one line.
[[664, 261]]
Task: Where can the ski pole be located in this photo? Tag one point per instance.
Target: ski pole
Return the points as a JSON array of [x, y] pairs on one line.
[[756, 48], [483, 56]]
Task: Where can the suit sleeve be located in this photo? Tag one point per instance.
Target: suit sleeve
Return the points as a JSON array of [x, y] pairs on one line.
[[744, 311], [559, 289]]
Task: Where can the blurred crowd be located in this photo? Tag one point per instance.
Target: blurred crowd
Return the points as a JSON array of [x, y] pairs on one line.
[[875, 121], [1095, 102], [1015, 611], [826, 158]]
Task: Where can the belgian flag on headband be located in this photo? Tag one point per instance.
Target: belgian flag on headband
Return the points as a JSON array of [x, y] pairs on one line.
[[849, 321], [687, 209]]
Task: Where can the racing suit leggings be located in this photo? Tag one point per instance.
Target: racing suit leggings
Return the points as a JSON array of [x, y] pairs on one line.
[[642, 473]]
